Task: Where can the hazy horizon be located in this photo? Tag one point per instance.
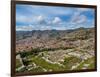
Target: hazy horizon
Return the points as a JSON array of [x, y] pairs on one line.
[[55, 29]]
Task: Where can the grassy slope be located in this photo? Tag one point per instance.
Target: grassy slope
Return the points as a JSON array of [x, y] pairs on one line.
[[41, 62], [70, 61], [89, 61]]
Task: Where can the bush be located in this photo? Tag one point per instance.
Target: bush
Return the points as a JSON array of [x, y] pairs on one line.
[[25, 53]]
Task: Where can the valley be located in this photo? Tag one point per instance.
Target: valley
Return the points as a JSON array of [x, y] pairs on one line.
[[55, 50]]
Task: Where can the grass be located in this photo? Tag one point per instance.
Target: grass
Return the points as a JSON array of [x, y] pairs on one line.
[[18, 64], [22, 70], [70, 61], [38, 69], [41, 62], [91, 66], [89, 61]]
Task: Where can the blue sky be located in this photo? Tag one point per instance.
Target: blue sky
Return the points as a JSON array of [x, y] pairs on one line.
[[32, 17]]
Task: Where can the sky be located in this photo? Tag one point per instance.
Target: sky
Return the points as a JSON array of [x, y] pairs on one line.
[[36, 17]]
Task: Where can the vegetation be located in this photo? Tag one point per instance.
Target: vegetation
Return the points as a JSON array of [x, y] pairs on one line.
[[54, 50], [70, 61], [89, 62], [43, 63], [18, 64]]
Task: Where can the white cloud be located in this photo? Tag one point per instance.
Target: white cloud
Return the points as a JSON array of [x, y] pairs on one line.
[[78, 19], [45, 21], [45, 27], [47, 18], [56, 20], [40, 19], [23, 19], [24, 28]]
